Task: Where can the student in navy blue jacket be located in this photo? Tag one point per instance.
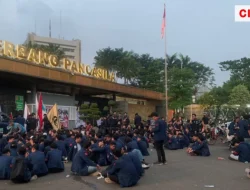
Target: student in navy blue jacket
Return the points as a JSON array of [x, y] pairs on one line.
[[70, 140], [172, 143], [41, 145], [137, 163], [123, 172], [54, 159], [75, 146], [10, 139], [27, 175], [132, 146], [101, 150], [184, 140], [244, 129], [160, 136], [242, 151], [3, 143], [6, 162], [61, 145], [81, 164], [142, 146], [37, 160], [120, 143], [13, 149], [110, 156], [200, 146]]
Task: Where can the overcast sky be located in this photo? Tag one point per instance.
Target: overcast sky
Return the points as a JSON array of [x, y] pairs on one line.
[[203, 29]]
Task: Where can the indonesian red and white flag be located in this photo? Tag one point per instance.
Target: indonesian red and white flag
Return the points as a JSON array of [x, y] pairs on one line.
[[40, 112], [163, 25]]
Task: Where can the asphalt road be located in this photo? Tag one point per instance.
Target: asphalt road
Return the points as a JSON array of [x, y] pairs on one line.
[[182, 172]]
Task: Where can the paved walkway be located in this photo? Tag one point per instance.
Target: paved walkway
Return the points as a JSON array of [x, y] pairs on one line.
[[183, 172]]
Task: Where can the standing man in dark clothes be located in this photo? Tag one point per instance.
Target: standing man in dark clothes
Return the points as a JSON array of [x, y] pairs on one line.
[[195, 125], [125, 120], [31, 123], [205, 122], [20, 119], [160, 136], [137, 120], [113, 122], [46, 124]]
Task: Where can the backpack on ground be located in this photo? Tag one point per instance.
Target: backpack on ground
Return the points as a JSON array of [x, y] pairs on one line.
[[18, 171]]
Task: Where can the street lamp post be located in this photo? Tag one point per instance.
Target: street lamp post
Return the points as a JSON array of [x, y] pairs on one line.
[[193, 101]]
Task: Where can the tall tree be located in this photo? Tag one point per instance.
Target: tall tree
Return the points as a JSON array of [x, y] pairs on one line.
[[239, 96], [239, 70], [180, 83], [109, 58], [127, 68], [150, 74]]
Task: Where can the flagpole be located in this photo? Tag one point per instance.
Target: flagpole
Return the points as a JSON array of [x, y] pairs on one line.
[[166, 66]]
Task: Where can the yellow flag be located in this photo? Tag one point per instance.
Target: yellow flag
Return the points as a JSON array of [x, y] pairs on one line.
[[53, 117]]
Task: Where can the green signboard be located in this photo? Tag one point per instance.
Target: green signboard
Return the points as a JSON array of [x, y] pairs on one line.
[[19, 102]]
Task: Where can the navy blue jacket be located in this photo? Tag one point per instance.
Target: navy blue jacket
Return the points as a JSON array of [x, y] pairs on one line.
[[110, 157], [181, 142], [102, 152], [81, 162], [41, 147], [54, 159], [202, 148], [132, 145], [72, 150], [69, 143], [143, 148], [13, 152], [5, 166], [120, 143], [61, 145], [173, 144], [186, 140], [3, 143], [27, 173], [20, 120], [126, 172], [243, 124], [160, 130], [37, 160], [243, 151], [137, 163]]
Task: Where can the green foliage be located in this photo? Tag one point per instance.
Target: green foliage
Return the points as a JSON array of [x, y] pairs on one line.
[[106, 108], [147, 72], [181, 84], [51, 49], [239, 96], [111, 103], [207, 100], [84, 110], [90, 112]]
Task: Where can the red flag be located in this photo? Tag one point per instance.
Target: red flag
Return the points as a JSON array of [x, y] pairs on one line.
[[163, 25], [40, 112], [11, 116]]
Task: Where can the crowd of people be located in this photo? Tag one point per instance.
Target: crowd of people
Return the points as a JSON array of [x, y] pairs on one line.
[[117, 143]]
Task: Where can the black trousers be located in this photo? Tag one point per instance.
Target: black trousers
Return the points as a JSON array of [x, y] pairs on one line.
[[160, 151]]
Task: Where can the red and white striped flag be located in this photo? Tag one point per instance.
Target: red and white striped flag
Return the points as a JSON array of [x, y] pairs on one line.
[[163, 25]]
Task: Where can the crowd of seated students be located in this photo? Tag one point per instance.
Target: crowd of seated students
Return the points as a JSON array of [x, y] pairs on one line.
[[239, 137], [188, 136], [121, 149]]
